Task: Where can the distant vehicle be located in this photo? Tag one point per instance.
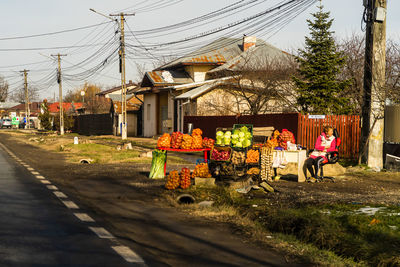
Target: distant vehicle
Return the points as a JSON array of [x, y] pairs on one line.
[[6, 123], [31, 124]]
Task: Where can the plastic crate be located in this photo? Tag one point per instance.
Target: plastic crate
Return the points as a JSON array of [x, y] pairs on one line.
[[238, 126], [223, 130], [254, 164], [241, 164], [221, 149], [200, 161]]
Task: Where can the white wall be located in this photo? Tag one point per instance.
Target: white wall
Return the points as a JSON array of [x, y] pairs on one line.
[[150, 115], [198, 73]]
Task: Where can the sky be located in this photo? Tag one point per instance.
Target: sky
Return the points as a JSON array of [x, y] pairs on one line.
[[27, 17]]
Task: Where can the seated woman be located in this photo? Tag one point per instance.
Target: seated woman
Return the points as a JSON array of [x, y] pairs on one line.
[[326, 142]]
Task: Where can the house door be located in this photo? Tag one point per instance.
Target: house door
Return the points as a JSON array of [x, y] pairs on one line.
[[164, 118]]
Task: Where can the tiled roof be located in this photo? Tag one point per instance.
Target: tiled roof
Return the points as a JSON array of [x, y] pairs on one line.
[[216, 53], [252, 57], [55, 107]]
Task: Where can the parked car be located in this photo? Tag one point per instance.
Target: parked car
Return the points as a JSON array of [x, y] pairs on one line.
[[6, 123]]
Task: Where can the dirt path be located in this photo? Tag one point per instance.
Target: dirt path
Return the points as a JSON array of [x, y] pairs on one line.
[[128, 204]]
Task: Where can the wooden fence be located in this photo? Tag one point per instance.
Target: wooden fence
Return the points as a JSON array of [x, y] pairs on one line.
[[304, 129], [93, 124], [349, 128]]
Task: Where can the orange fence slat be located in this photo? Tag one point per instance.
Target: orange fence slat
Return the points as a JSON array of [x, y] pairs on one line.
[[347, 126]]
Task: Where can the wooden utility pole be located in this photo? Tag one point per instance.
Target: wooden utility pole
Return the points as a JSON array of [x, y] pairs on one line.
[[27, 109], [374, 84], [124, 130], [59, 80]]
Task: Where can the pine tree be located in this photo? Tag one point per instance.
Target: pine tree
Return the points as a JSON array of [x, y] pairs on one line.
[[320, 91], [45, 117]]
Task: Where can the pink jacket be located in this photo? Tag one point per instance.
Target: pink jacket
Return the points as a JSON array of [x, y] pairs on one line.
[[322, 141]]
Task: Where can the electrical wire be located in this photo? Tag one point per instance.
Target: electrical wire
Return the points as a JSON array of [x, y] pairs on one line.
[[52, 33]]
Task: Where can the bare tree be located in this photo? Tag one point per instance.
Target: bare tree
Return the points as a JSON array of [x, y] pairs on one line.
[[3, 89], [258, 86], [20, 95], [354, 50], [92, 103], [393, 71]]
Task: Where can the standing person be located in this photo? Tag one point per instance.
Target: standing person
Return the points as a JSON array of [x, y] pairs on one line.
[[326, 143]]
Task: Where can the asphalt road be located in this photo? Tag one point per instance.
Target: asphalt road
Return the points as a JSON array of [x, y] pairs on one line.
[[37, 229]]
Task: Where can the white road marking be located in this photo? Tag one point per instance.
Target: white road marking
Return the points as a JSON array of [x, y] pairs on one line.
[[84, 217], [101, 232], [30, 169], [59, 194], [35, 173], [70, 204], [52, 187], [128, 254], [45, 181], [39, 177]]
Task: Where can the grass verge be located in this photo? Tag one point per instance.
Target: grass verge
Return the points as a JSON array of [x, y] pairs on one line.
[[327, 235]]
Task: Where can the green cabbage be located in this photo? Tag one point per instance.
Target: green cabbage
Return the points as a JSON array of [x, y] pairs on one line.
[[246, 143], [244, 129]]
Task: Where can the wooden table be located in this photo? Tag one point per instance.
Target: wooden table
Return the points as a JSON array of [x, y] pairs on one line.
[[205, 150], [298, 157]]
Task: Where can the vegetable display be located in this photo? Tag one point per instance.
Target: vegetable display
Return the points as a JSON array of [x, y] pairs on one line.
[[164, 141], [185, 178], [242, 137], [197, 142], [254, 171], [266, 163], [223, 138], [227, 170], [176, 140], [197, 139], [187, 141], [238, 157], [157, 164], [201, 170], [197, 131], [222, 155], [253, 156], [208, 142], [173, 180]]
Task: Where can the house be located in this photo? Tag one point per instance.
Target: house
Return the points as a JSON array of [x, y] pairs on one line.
[[69, 108], [117, 90], [5, 106], [190, 85], [133, 112], [19, 109], [133, 108]]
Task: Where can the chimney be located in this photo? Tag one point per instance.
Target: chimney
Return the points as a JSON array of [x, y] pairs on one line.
[[248, 42]]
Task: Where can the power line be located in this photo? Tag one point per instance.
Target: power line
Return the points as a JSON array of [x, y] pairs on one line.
[[52, 33], [47, 48]]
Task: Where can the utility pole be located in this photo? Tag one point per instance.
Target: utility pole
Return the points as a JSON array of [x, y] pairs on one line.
[[27, 109], [374, 84], [124, 130], [59, 81]]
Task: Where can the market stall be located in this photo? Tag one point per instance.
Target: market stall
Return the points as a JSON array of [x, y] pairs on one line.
[[233, 155]]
